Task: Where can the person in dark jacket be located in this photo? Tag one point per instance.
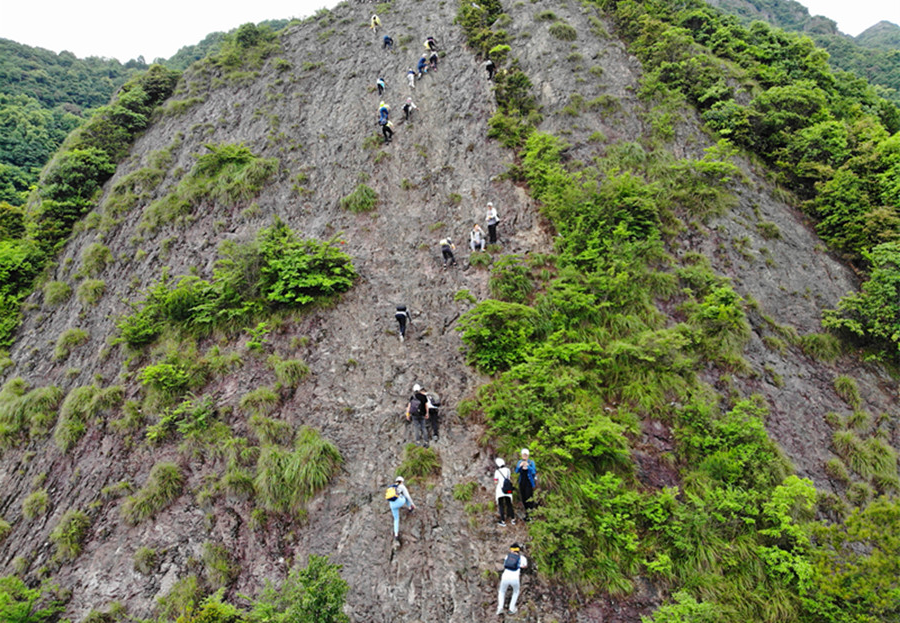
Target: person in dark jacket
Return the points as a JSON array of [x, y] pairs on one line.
[[387, 44], [417, 412], [527, 472], [402, 316]]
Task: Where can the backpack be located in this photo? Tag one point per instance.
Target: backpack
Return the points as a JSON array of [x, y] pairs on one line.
[[415, 406], [434, 400], [391, 494], [507, 486], [511, 562]]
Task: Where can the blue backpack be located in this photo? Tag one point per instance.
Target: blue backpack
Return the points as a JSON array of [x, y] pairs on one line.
[[511, 562]]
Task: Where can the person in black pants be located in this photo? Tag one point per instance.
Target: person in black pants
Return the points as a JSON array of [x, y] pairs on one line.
[[417, 412], [527, 480], [434, 404], [388, 131], [402, 317]]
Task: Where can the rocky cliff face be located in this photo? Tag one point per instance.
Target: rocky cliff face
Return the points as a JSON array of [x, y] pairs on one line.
[[313, 107]]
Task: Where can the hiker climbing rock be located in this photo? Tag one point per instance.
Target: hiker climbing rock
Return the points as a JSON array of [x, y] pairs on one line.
[[398, 496], [434, 404], [402, 316], [476, 238], [433, 61], [374, 23], [492, 220], [447, 248], [431, 44], [514, 562], [422, 66], [489, 68], [408, 107], [380, 84], [411, 78], [384, 113], [387, 43], [417, 412], [503, 492], [387, 130], [527, 472]]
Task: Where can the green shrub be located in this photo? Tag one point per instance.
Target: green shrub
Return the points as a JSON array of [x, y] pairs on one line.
[[510, 280], [496, 334], [5, 529], [480, 258], [289, 372], [90, 291], [848, 390], [164, 484], [69, 534], [20, 604], [35, 504], [362, 199], [286, 479], [270, 431], [464, 491], [181, 599], [68, 340], [26, 412], [419, 463], [191, 418], [56, 293], [314, 594]]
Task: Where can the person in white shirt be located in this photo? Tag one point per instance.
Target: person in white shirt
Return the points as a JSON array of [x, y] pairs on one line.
[[476, 238], [492, 220], [504, 499], [512, 566]]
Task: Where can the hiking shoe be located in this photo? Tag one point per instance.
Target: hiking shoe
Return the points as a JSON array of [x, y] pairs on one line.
[[514, 521], [501, 523]]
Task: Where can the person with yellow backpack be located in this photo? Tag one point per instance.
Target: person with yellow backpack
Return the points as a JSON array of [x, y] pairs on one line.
[[398, 496]]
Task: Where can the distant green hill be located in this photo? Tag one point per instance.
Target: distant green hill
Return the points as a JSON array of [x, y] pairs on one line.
[[874, 55]]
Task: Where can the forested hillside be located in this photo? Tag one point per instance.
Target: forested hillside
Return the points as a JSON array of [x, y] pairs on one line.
[[690, 319]]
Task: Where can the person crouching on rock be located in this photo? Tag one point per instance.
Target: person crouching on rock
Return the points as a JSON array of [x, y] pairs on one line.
[[512, 566], [447, 248], [400, 498], [388, 131]]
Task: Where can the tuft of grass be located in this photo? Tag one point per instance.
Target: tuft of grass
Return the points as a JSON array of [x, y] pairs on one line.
[[289, 372], [56, 293], [464, 491], [260, 401], [90, 291], [546, 16], [5, 529], [80, 405], [219, 566], [145, 560], [69, 339], [286, 479], [563, 31], [164, 484], [181, 599], [35, 504], [848, 390], [95, 258], [270, 431], [775, 344], [69, 533], [836, 469], [480, 258], [821, 346], [419, 463], [362, 199], [464, 295], [768, 230]]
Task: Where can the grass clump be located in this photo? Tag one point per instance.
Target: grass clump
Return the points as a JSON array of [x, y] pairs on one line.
[[270, 431], [563, 31], [848, 390], [56, 293], [24, 412], [68, 340], [362, 199], [69, 534], [5, 529], [80, 405], [261, 401], [35, 504], [289, 372], [286, 479], [95, 258], [90, 291], [164, 484], [419, 463], [464, 491], [219, 566], [821, 346]]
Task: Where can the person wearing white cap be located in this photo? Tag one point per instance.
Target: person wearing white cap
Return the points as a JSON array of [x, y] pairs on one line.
[[503, 492], [527, 472], [398, 500], [514, 562], [417, 411], [492, 220]]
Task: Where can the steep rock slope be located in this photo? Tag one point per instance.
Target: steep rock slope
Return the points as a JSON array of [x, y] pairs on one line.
[[314, 114]]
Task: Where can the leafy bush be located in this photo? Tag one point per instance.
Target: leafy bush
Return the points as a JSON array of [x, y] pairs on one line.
[[362, 199], [286, 479], [56, 293], [190, 419], [181, 599], [314, 594], [497, 334], [164, 484], [69, 533], [20, 604], [510, 280]]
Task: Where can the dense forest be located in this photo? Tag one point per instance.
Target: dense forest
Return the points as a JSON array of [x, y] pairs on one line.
[[579, 347]]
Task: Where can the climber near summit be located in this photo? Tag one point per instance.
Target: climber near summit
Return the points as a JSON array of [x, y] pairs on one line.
[[492, 220], [402, 316], [408, 107], [398, 496], [514, 562], [527, 472], [374, 23], [503, 492], [380, 84]]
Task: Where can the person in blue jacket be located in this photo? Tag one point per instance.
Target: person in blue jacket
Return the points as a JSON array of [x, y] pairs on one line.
[[527, 472], [422, 66]]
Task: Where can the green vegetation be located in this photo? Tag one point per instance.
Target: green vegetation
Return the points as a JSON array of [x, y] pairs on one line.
[[90, 291], [314, 594], [95, 258], [219, 567], [362, 199], [35, 504], [21, 604], [80, 406], [69, 339], [259, 402], [286, 479], [464, 491], [419, 463], [25, 413], [69, 533], [163, 486], [563, 31], [277, 269], [191, 418], [226, 176], [145, 560], [56, 293]]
